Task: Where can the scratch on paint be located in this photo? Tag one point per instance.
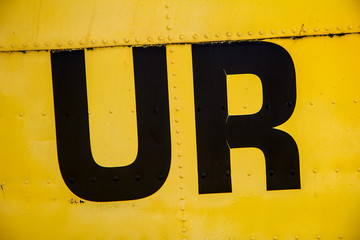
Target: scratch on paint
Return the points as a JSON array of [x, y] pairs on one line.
[[2, 189]]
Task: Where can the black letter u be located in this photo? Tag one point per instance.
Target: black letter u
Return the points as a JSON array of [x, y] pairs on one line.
[[80, 172]]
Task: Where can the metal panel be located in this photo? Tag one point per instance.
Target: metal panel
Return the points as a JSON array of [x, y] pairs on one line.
[[36, 203]]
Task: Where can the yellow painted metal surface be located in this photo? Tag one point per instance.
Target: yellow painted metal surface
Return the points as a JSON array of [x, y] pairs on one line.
[[36, 203], [31, 24]]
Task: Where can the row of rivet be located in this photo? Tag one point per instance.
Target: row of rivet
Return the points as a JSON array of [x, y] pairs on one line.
[[21, 114], [195, 36], [181, 176], [178, 142]]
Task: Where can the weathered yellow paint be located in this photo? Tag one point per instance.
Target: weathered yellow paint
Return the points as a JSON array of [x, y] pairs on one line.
[[35, 202], [31, 24]]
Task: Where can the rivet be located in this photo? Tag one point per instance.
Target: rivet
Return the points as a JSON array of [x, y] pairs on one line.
[[245, 106], [93, 179], [126, 40], [44, 114], [137, 39], [183, 230], [250, 33], [182, 208], [104, 41], [169, 27], [89, 112], [172, 61], [337, 170], [181, 176], [275, 238], [92, 41], [110, 111], [137, 177], [170, 37], [180, 166], [261, 32], [81, 42], [25, 44], [3, 183], [13, 45], [167, 5], [132, 110], [171, 50], [311, 103], [49, 181], [355, 100], [160, 38], [115, 40], [177, 109], [305, 30], [178, 131], [252, 238], [333, 101], [297, 237], [115, 178], [203, 175], [181, 36], [27, 182], [231, 238], [338, 28], [341, 237], [59, 44], [182, 198], [239, 34], [272, 32], [179, 154], [358, 169], [72, 180], [217, 35], [176, 97], [294, 30], [316, 29], [160, 177], [21, 114], [183, 219], [175, 85], [1, 45], [315, 171], [227, 173], [174, 74], [47, 44], [350, 27], [149, 39], [195, 36], [327, 28], [168, 16], [228, 34], [70, 42], [181, 187], [318, 237], [249, 173], [206, 35], [283, 31]]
